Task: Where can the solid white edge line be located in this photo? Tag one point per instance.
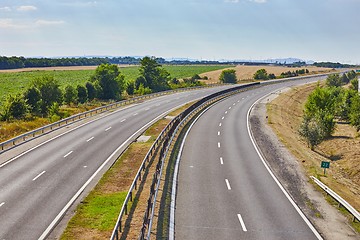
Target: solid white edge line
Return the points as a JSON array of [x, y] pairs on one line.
[[227, 184], [66, 155], [39, 175], [221, 161], [242, 223], [174, 184], [62, 134], [72, 200], [316, 233], [2, 204]]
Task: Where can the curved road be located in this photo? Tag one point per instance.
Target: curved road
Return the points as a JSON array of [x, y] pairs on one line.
[[38, 186], [224, 189]]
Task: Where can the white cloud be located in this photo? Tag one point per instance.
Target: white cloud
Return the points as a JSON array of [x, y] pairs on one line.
[[5, 9], [9, 23], [258, 1], [42, 22], [232, 1], [26, 8]]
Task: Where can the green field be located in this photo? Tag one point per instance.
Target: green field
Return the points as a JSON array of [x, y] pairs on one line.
[[18, 82]]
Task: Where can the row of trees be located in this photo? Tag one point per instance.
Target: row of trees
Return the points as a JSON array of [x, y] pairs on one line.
[[44, 96], [262, 74], [328, 103]]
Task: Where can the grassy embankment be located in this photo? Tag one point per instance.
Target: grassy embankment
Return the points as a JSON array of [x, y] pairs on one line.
[[342, 149]]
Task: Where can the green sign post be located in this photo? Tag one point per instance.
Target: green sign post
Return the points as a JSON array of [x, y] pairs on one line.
[[325, 165]]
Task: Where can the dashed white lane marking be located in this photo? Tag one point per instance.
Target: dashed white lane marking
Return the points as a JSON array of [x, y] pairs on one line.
[[229, 108], [226, 112], [243, 98], [2, 204], [146, 109], [68, 154], [107, 129], [234, 104], [222, 118], [123, 120], [85, 166], [238, 101], [242, 223], [218, 133], [90, 139], [135, 114], [218, 144], [227, 184], [221, 161], [219, 124], [39, 175]]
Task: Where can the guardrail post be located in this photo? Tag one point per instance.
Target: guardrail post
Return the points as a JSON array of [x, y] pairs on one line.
[[125, 208], [131, 199]]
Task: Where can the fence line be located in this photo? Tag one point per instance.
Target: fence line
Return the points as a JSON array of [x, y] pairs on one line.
[[340, 200]]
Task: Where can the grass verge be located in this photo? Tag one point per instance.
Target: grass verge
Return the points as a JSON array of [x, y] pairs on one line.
[[96, 215]]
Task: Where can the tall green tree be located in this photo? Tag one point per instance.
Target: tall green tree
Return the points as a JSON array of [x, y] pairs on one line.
[[50, 92], [70, 95], [110, 81], [32, 97], [355, 112], [91, 90], [333, 80], [82, 94], [156, 78], [15, 107], [261, 74], [228, 76]]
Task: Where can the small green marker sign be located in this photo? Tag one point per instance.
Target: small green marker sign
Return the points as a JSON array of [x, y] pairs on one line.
[[325, 165]]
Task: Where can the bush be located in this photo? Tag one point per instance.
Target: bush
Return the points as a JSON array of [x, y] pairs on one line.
[[261, 74], [228, 76]]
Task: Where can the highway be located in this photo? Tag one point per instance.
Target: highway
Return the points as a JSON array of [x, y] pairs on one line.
[[38, 186], [224, 189]]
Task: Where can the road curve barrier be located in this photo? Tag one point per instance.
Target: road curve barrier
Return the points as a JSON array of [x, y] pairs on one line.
[[340, 200], [162, 145], [16, 141]]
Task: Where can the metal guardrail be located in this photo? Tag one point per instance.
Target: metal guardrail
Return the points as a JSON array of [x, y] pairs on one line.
[[4, 146], [167, 136], [340, 200], [162, 142]]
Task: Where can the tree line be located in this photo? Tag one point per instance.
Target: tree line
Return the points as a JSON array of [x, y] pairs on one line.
[[327, 104], [262, 74], [44, 96]]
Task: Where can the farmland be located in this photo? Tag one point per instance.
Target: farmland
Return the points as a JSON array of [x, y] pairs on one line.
[[14, 82]]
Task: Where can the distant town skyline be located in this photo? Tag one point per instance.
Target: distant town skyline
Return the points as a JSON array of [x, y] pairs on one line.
[[317, 30]]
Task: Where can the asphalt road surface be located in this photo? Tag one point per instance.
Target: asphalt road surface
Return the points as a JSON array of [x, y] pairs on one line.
[[38, 187], [224, 188]]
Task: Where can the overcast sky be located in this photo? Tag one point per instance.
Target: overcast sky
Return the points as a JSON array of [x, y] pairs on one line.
[[319, 30]]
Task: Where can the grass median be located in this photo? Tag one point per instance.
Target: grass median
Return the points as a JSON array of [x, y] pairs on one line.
[[96, 215]]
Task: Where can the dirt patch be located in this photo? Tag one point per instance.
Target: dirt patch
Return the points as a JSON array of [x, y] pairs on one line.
[[246, 73], [293, 163]]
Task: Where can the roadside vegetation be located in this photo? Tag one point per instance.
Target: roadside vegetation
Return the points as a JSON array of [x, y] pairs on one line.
[[262, 74], [51, 96], [285, 115], [329, 104]]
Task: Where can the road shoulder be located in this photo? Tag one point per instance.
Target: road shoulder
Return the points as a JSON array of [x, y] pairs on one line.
[[328, 221]]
